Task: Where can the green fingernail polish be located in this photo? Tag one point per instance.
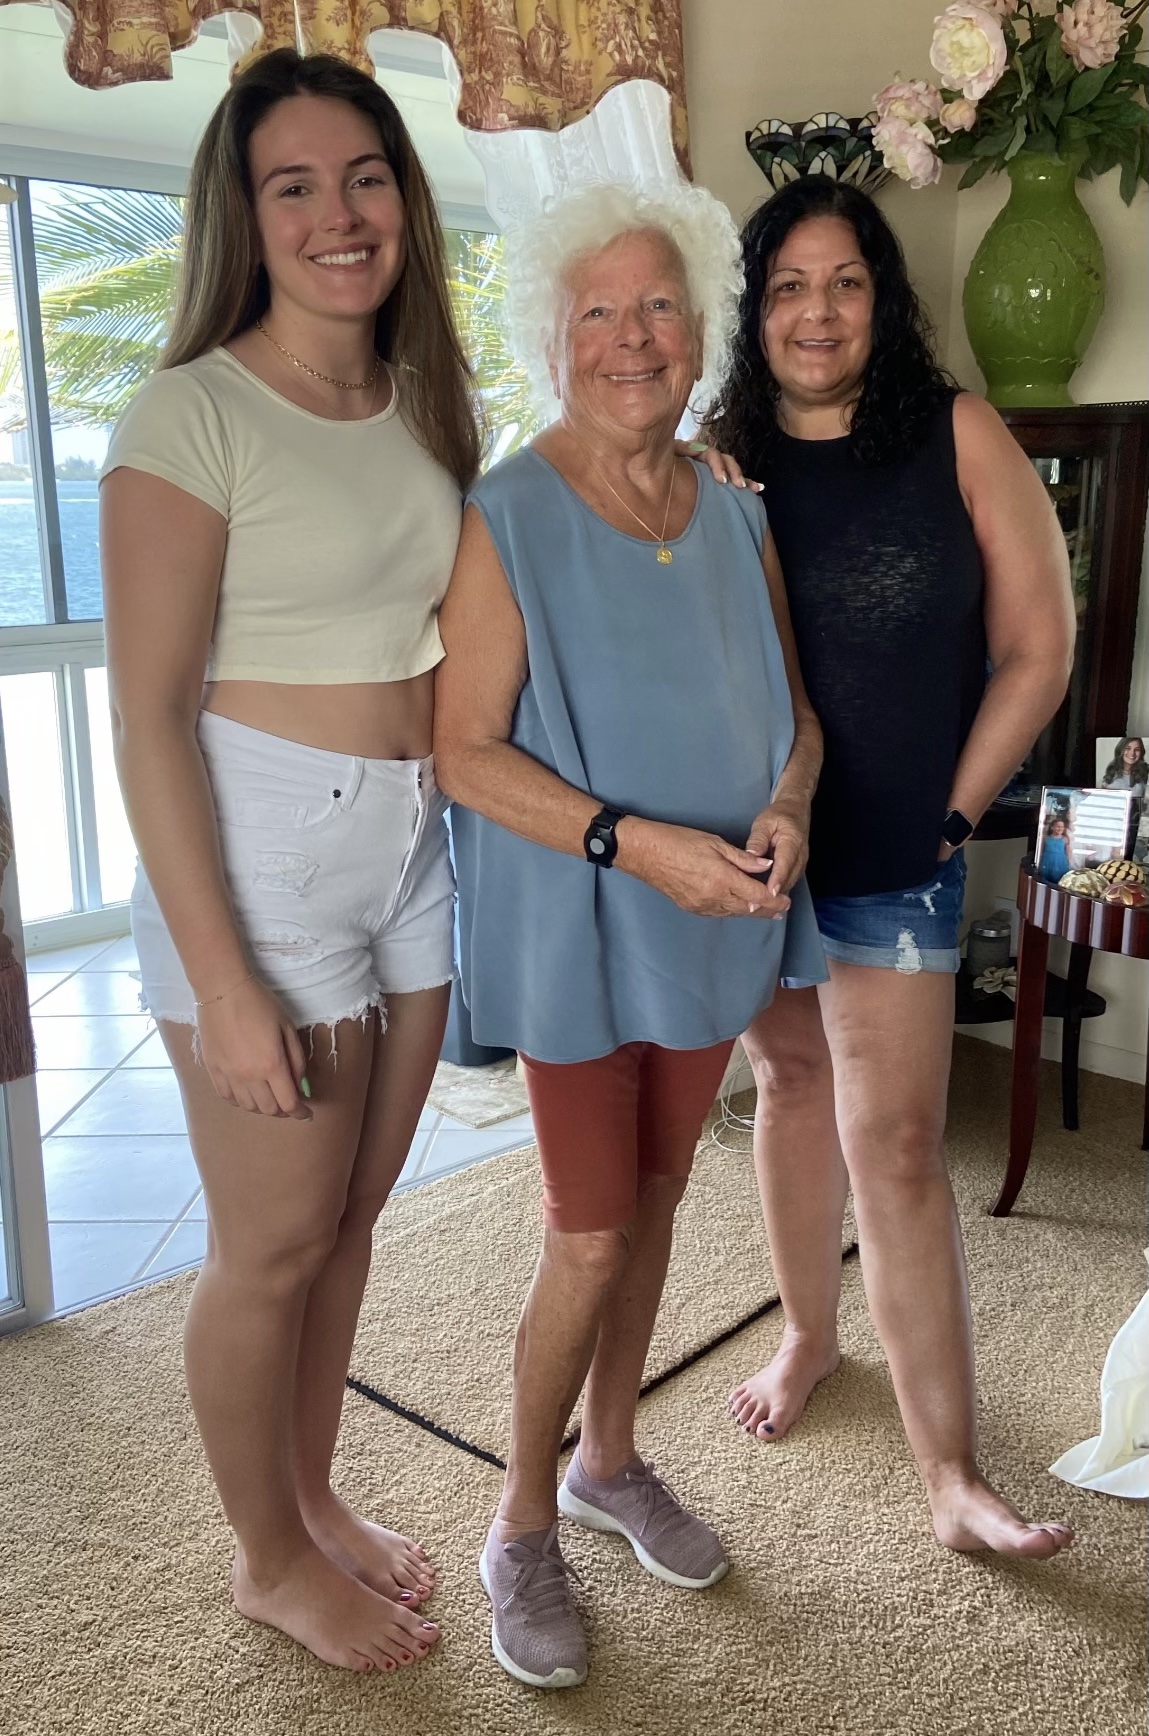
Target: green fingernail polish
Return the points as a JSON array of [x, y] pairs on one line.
[[305, 1086]]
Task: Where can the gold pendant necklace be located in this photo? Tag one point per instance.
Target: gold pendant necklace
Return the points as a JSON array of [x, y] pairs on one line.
[[328, 379], [662, 554]]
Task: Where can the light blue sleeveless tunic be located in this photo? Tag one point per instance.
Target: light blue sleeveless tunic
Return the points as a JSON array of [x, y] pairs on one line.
[[661, 691]]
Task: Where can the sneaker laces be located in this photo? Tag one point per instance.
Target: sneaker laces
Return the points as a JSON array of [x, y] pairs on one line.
[[659, 1500], [540, 1573]]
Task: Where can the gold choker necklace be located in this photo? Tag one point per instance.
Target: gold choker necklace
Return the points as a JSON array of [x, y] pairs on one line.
[[328, 379]]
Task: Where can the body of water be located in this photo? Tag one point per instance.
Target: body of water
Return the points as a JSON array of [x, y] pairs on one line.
[[21, 584]]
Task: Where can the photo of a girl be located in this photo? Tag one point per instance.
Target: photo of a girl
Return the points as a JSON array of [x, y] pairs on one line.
[[1055, 859], [1129, 768]]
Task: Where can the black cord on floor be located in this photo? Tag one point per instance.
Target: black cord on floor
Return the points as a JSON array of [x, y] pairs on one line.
[[422, 1422], [697, 1355], [466, 1446]]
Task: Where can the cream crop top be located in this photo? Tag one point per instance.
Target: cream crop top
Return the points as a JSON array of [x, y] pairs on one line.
[[340, 535]]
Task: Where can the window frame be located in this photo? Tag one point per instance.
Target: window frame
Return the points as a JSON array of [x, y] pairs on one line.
[[58, 645]]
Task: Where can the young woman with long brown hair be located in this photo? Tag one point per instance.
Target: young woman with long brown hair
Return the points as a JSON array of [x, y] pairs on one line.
[[281, 506]]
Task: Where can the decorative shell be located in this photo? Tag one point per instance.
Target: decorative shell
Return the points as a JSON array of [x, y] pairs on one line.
[[1118, 873], [1127, 892], [1086, 881]]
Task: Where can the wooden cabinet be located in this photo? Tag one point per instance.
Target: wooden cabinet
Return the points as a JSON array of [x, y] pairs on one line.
[[1094, 462]]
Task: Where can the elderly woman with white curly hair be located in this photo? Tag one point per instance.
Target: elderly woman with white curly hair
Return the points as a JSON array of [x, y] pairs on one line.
[[623, 728]]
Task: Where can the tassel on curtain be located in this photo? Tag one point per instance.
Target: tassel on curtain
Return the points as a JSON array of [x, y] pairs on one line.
[[537, 64]]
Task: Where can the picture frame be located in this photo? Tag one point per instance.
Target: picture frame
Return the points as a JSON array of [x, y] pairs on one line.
[[1081, 828], [1121, 760]]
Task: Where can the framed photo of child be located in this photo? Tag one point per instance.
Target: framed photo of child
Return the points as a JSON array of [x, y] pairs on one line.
[[1081, 828]]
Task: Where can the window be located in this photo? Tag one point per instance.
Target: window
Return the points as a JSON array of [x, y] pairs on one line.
[[97, 268], [87, 276], [21, 583]]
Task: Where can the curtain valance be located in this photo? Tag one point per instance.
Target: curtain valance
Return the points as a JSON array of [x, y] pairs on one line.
[[536, 64]]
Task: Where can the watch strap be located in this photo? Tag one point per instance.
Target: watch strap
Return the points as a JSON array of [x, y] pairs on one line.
[[599, 841]]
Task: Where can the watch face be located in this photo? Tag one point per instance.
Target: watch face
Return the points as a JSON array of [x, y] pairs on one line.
[[597, 846]]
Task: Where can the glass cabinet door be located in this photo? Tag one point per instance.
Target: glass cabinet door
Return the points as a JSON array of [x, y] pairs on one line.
[[1093, 461], [1075, 485]]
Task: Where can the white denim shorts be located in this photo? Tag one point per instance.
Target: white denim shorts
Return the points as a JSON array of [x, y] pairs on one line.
[[339, 872]]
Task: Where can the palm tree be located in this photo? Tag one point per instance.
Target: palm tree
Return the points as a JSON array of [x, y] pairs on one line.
[[475, 265], [106, 262], [105, 267]]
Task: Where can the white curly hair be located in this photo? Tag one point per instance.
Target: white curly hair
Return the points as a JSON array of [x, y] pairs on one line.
[[539, 255]]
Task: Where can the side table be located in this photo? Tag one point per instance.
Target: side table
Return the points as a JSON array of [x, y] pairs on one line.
[[1090, 926], [1066, 999]]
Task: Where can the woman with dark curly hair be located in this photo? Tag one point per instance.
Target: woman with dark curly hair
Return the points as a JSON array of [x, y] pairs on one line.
[[916, 541]]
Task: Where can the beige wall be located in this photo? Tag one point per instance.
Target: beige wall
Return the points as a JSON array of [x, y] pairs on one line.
[[789, 59], [748, 59]]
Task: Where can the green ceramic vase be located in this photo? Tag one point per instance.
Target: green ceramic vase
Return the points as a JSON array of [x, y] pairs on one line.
[[1036, 286]]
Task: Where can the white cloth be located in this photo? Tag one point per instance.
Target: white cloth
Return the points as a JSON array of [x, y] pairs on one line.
[[1116, 1462], [626, 137]]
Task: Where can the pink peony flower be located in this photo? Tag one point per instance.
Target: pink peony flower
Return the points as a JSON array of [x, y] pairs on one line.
[[908, 100], [968, 50], [907, 148], [1002, 8], [1091, 32], [959, 115]]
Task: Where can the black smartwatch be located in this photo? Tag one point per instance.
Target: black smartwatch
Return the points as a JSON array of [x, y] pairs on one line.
[[599, 841], [956, 828]]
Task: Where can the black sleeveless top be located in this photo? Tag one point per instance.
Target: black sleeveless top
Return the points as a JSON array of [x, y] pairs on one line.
[[885, 585]]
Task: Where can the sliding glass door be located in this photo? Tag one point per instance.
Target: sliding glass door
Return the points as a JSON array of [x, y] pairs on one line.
[[25, 1261]]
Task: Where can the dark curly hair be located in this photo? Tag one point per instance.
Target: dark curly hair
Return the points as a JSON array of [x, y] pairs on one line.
[[903, 385]]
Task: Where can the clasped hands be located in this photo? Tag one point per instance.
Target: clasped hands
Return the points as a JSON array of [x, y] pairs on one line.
[[704, 874]]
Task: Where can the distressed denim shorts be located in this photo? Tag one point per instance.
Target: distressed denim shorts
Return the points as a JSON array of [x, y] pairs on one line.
[[339, 873], [908, 931]]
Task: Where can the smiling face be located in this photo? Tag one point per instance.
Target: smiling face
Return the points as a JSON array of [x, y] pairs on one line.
[[1134, 751], [628, 345], [817, 314], [328, 208]]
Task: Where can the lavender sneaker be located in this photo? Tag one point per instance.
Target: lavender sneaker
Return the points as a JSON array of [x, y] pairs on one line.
[[536, 1633], [670, 1542]]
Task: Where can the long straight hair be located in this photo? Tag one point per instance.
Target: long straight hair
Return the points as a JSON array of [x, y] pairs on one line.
[[223, 285]]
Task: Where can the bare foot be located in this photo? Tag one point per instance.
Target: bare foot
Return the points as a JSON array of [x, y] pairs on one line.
[[386, 1561], [332, 1614], [771, 1401], [969, 1515]]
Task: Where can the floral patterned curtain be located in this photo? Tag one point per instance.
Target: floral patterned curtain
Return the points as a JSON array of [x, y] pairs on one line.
[[523, 63]]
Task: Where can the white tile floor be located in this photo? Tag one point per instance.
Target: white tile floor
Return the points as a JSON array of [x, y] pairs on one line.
[[124, 1201]]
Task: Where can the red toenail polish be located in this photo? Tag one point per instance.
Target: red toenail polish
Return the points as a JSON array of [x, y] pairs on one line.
[[430, 1627], [406, 1596]]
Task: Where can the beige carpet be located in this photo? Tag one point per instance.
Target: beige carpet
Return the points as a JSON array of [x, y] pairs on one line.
[[480, 1096], [481, 1229], [840, 1617]]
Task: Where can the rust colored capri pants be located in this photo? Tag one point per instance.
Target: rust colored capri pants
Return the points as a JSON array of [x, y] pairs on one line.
[[602, 1124]]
